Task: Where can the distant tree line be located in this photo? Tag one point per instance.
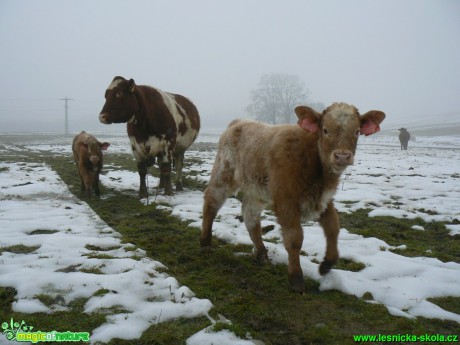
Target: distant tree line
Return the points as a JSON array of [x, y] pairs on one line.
[[276, 96]]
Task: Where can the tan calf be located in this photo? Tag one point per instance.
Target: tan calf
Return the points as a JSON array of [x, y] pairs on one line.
[[294, 170]]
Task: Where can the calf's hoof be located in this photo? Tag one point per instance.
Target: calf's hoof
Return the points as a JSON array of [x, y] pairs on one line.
[[169, 191], [261, 257], [296, 283], [206, 249], [325, 267], [205, 243]]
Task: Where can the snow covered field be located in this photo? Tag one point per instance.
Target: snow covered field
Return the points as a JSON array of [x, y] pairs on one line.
[[38, 211]]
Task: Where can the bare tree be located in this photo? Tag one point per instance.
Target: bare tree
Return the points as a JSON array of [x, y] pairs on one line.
[[275, 98]]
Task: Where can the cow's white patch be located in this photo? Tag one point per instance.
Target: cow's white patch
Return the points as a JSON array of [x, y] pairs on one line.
[[325, 198], [170, 102], [182, 141], [114, 84], [312, 211], [151, 148]]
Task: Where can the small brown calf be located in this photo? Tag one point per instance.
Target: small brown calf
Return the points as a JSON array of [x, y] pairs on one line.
[[87, 152], [293, 169]]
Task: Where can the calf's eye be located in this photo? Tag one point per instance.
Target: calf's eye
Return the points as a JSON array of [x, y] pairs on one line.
[[325, 130]]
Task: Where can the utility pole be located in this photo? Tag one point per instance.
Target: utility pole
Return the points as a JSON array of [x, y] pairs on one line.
[[66, 106]]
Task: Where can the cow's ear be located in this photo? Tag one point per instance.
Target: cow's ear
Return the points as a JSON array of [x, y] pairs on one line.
[[370, 122], [308, 118], [131, 85], [105, 146]]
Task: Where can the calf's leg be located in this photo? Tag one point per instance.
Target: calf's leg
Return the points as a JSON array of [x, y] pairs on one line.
[[251, 216], [293, 238], [288, 214], [329, 220], [82, 181], [214, 198], [97, 191], [221, 186], [88, 184]]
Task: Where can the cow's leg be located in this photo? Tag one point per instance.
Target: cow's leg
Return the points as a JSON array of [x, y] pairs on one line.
[[82, 181], [142, 170], [251, 216], [88, 184], [221, 186], [162, 179], [293, 238], [165, 174], [179, 164], [214, 198], [329, 220], [288, 214], [97, 191]]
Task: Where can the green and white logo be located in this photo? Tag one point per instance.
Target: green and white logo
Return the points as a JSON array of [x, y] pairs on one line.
[[21, 332]]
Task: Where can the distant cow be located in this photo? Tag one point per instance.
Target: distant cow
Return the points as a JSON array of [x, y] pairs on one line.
[[293, 169], [87, 152], [404, 137], [160, 125]]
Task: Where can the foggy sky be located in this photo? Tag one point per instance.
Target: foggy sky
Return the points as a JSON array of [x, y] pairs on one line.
[[401, 57]]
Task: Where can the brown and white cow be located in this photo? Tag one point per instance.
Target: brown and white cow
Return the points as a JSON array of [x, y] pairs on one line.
[[160, 125], [293, 169], [87, 153]]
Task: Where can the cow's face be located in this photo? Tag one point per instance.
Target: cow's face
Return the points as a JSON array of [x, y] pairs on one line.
[[338, 129], [93, 150], [120, 102]]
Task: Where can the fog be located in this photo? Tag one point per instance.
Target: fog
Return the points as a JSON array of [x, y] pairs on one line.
[[401, 57]]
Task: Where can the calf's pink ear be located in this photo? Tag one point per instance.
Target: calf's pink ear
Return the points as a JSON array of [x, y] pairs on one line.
[[369, 128], [308, 125], [370, 122], [308, 118]]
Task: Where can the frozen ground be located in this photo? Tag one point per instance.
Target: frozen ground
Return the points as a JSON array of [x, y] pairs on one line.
[[38, 211]]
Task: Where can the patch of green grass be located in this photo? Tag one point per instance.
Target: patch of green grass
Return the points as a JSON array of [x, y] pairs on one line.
[[430, 212], [19, 249], [434, 242], [97, 248], [173, 332], [49, 300], [348, 202], [101, 292], [451, 304], [349, 265], [68, 269], [43, 232], [96, 269], [95, 255]]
